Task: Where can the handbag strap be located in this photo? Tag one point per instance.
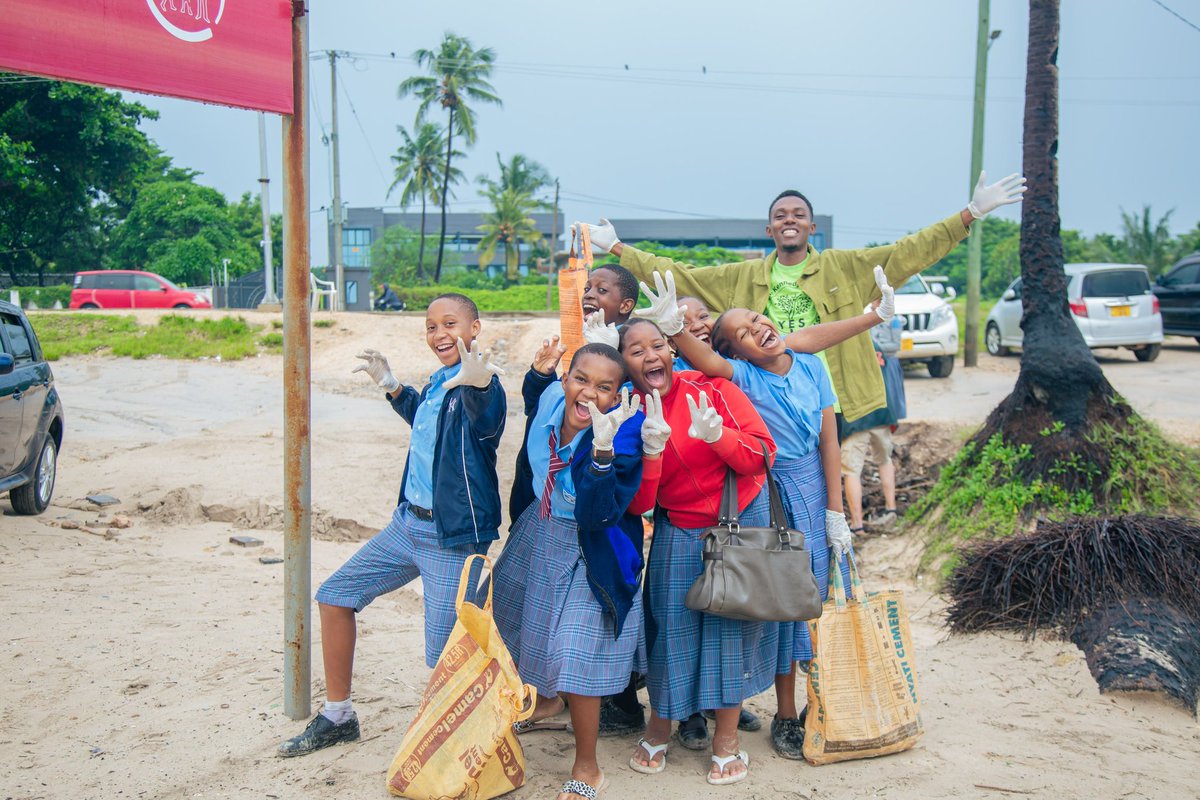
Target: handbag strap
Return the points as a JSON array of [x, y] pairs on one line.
[[728, 513]]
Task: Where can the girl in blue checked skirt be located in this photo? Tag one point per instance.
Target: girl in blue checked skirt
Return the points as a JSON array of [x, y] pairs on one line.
[[566, 586]]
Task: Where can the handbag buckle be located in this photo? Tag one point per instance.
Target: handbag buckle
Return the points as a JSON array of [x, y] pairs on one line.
[[785, 537]]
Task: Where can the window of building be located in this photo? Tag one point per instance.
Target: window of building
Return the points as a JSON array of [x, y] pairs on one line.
[[356, 247], [351, 293]]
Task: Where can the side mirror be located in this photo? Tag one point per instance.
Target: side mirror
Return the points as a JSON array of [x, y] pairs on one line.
[[951, 293], [1009, 294], [937, 289], [6, 363]]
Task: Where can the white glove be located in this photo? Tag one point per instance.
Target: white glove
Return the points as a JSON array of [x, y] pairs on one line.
[[605, 426], [837, 533], [475, 371], [706, 422], [664, 309], [655, 430], [596, 332], [377, 367], [987, 199], [887, 303], [603, 236]]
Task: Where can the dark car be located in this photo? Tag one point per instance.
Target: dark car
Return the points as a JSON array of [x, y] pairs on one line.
[[1178, 293], [31, 416]]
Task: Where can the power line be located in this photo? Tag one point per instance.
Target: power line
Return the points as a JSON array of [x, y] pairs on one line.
[[370, 147], [1176, 14]]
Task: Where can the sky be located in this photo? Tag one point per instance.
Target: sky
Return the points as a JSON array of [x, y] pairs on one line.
[[673, 109]]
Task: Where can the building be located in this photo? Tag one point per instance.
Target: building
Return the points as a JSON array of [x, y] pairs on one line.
[[748, 236]]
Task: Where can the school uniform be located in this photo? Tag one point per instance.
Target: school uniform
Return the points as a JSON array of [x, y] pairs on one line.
[[449, 507], [566, 586], [791, 407], [701, 661]]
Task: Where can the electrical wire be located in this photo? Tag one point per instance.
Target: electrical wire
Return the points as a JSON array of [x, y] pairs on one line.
[[363, 130], [1176, 14]]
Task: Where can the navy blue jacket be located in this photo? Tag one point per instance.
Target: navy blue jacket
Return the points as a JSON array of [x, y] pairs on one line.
[[466, 491], [610, 538]]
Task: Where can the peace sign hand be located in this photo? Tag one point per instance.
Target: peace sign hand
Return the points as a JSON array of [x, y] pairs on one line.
[[605, 426], [706, 422]]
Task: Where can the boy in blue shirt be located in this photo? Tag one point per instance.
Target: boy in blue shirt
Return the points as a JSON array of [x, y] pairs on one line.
[[449, 508]]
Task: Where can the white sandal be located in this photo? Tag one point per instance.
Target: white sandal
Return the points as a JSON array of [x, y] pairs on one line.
[[652, 752], [722, 762]]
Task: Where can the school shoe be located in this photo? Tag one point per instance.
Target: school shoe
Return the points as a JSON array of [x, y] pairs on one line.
[[747, 720], [615, 721], [787, 737], [693, 733], [320, 733]]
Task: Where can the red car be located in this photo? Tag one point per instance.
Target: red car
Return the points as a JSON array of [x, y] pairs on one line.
[[127, 288]]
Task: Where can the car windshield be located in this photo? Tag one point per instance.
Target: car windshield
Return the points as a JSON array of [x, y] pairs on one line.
[[912, 286], [1116, 283], [169, 283]]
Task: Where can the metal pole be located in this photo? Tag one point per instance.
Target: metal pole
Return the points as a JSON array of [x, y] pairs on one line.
[[297, 402], [975, 245], [553, 273], [269, 296], [336, 256]]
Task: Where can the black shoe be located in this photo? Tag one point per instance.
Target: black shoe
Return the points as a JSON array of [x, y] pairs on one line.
[[693, 733], [615, 721], [787, 737], [320, 733], [747, 720]]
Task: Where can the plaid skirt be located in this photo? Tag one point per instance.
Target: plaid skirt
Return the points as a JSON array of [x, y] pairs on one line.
[[701, 661], [561, 639], [802, 487]]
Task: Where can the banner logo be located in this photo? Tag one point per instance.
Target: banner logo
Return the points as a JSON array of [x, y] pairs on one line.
[[188, 20]]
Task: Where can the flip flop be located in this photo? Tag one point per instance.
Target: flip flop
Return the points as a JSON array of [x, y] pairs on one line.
[[652, 751], [546, 723], [574, 786], [722, 762]]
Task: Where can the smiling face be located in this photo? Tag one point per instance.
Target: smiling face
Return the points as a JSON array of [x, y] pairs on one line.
[[647, 357], [697, 318], [593, 378], [602, 292], [446, 321], [790, 224], [748, 335]]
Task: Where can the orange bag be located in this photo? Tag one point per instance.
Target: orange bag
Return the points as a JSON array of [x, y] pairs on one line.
[[570, 295], [461, 743], [862, 683]]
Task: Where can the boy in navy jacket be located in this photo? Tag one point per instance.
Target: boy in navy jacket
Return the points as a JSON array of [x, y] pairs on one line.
[[449, 507]]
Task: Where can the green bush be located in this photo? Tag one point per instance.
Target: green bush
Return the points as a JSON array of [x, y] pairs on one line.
[[44, 296], [514, 298]]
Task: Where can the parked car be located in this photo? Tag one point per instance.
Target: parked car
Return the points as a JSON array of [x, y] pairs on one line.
[[1111, 303], [128, 288], [930, 333], [1178, 293], [31, 416]]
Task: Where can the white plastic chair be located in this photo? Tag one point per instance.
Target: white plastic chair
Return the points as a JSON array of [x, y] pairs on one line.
[[321, 289]]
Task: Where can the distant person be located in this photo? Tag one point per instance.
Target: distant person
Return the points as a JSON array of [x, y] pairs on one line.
[[388, 300]]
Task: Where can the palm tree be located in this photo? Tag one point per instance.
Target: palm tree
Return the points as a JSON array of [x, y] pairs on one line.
[[1146, 243], [520, 174], [419, 162], [510, 222], [458, 74]]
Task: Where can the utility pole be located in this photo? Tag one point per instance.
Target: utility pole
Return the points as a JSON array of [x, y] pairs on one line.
[[335, 258], [269, 296], [983, 41], [550, 276]]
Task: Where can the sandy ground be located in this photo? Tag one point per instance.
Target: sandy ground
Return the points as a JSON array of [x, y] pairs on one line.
[[148, 662]]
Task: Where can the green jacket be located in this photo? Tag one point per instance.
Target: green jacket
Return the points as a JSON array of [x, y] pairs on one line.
[[840, 282]]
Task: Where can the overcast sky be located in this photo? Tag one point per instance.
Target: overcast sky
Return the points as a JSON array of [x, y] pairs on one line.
[[711, 108]]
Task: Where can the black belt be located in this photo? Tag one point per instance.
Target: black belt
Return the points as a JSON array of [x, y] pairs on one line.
[[421, 513]]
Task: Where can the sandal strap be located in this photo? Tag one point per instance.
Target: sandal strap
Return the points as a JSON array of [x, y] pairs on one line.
[[723, 761], [652, 750], [580, 788]]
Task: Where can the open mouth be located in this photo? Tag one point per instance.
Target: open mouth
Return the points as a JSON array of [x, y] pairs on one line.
[[768, 339], [656, 377], [702, 336], [589, 308], [581, 411], [790, 232], [444, 348]]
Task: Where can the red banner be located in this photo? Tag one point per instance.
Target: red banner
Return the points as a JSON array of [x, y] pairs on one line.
[[231, 52]]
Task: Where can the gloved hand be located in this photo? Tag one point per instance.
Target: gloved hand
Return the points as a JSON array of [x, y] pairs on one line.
[[548, 355], [837, 533], [596, 332], [706, 422], [987, 199], [377, 367], [887, 303], [664, 309], [603, 236], [475, 371], [605, 426], [655, 430]]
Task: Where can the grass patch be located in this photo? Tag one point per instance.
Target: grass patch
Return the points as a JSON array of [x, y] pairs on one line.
[[271, 341], [323, 323], [173, 336]]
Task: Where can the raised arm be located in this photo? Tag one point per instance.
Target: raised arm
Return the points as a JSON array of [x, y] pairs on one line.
[[816, 338], [704, 358]]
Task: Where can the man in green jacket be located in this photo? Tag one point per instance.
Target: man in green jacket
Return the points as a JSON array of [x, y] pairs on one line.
[[796, 286]]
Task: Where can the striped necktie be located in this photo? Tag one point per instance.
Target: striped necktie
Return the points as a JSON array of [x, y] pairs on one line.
[[556, 465]]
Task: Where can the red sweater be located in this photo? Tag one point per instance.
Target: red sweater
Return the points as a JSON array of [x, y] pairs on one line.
[[688, 478]]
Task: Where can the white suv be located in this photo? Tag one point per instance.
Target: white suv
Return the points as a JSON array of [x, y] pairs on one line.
[[930, 327]]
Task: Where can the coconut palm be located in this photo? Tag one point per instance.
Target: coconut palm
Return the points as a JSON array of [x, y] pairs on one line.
[[1146, 242], [521, 174], [457, 76], [510, 222], [419, 163]]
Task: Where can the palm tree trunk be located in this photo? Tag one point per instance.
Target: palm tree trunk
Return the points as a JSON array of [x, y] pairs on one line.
[[437, 272], [421, 245]]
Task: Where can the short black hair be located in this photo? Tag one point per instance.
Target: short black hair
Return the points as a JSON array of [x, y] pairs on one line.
[[719, 342], [789, 193], [631, 324], [602, 350], [626, 281], [464, 302]]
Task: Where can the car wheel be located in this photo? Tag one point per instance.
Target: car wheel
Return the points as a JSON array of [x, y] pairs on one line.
[[33, 497], [991, 340], [181, 305], [89, 305], [941, 367], [1148, 353], [1198, 340]]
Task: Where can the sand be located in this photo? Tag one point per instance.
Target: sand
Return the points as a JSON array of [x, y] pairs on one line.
[[147, 661]]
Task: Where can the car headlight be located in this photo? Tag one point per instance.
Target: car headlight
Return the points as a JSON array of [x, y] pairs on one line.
[[199, 298], [941, 316]]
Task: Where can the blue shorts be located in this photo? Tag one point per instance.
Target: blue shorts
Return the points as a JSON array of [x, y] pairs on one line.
[[408, 548]]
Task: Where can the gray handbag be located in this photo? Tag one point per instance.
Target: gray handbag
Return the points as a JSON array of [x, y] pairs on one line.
[[755, 574]]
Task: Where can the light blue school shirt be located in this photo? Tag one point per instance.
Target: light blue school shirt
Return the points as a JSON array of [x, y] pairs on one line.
[[418, 489], [680, 363], [790, 404], [549, 417]]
